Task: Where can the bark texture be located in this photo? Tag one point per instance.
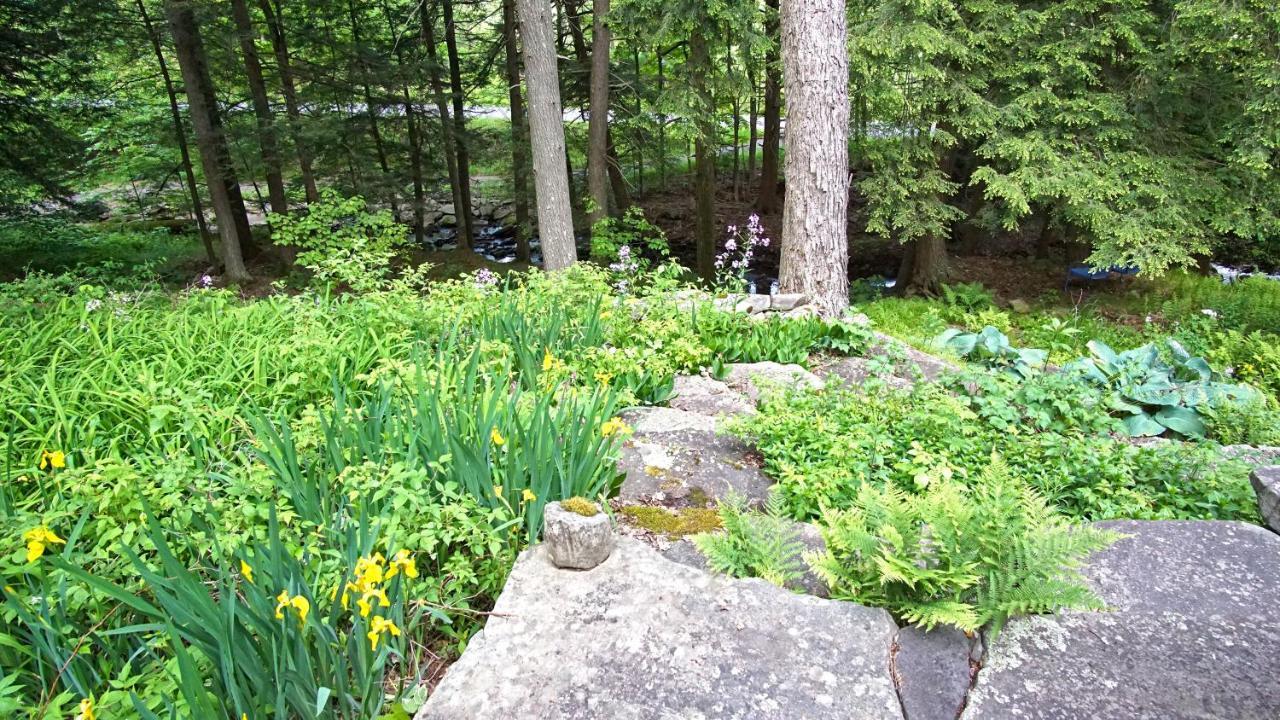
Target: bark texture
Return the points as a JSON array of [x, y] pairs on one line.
[[815, 247], [768, 198], [442, 107], [546, 132], [598, 129], [267, 143], [214, 154]]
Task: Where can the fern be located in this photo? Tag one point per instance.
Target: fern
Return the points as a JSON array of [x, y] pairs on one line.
[[754, 544], [957, 555]]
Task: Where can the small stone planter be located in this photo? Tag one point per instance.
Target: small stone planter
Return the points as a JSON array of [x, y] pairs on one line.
[[575, 540]]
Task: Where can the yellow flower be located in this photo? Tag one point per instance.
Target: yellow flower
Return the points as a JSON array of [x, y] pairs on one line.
[[282, 601], [377, 628], [527, 495], [55, 460], [603, 377], [497, 491], [38, 539], [302, 606], [363, 604], [86, 710], [403, 562], [547, 360], [497, 438], [246, 571], [614, 426]]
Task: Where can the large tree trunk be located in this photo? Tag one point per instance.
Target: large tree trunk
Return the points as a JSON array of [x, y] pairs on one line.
[[704, 190], [613, 165], [546, 131], [519, 139], [442, 107], [280, 46], [261, 107], [197, 210], [815, 245], [214, 154], [415, 137], [598, 130], [768, 198], [466, 223], [754, 115]]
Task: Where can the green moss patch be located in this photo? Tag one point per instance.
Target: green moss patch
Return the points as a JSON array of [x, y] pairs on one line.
[[672, 523]]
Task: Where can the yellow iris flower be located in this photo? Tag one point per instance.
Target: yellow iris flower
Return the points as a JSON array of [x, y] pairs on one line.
[[38, 539], [497, 438], [246, 571], [527, 495], [55, 460]]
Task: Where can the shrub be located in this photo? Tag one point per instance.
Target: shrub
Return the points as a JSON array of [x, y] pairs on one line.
[[754, 544], [342, 241], [964, 555]]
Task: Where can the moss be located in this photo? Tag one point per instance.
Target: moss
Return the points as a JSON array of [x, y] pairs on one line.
[[581, 506], [672, 523]]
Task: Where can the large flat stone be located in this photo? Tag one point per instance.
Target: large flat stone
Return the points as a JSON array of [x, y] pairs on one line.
[[708, 396], [751, 379], [1192, 631], [1266, 484], [910, 360], [689, 468], [640, 637], [1253, 455], [649, 420]]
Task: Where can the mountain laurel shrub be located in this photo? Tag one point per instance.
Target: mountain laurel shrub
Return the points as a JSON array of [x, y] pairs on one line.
[[961, 555]]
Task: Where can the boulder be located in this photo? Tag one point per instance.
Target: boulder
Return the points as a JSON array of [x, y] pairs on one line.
[[1266, 483], [641, 637], [576, 541], [751, 378], [1253, 455], [689, 468], [752, 304], [708, 396], [910, 360], [856, 371], [649, 420], [1191, 631], [782, 302], [931, 669]]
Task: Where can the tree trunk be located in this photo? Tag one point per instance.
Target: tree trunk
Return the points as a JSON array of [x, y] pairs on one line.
[[261, 107], [519, 141], [415, 137], [768, 198], [737, 113], [372, 109], [280, 46], [546, 131], [704, 155], [923, 268], [466, 223], [662, 130], [753, 113], [442, 108], [598, 129], [197, 209], [214, 154], [637, 138], [815, 244]]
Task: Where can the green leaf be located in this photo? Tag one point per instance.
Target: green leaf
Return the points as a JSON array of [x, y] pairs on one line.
[[1141, 425]]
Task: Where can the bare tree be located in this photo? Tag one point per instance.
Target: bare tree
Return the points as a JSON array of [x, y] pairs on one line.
[[214, 154], [546, 132], [815, 249], [598, 130]]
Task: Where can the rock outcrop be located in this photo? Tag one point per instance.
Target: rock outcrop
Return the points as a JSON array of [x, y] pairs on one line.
[[641, 637], [1266, 483], [1192, 631]]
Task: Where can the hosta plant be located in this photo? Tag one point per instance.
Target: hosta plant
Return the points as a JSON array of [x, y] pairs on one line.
[[1154, 395], [991, 347]]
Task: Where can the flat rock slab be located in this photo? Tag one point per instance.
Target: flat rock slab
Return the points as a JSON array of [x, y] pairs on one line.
[[856, 371], [640, 637], [909, 360], [1253, 455], [651, 420], [1192, 631], [689, 468], [708, 396]]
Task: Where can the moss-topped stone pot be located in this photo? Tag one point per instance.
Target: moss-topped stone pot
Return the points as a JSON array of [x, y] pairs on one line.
[[578, 537]]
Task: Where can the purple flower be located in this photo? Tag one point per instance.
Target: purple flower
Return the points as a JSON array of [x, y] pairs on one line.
[[205, 281], [485, 278]]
